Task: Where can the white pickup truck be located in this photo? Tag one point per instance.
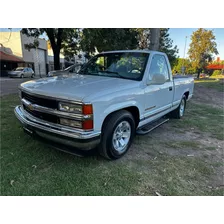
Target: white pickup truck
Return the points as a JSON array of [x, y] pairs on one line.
[[115, 95]]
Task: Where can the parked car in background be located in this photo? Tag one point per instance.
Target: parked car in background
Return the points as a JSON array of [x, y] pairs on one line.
[[71, 69], [21, 72]]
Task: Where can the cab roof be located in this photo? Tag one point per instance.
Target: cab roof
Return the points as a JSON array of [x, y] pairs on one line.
[[131, 51]]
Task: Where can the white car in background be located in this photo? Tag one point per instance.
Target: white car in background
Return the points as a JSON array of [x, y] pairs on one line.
[[22, 72], [71, 69]]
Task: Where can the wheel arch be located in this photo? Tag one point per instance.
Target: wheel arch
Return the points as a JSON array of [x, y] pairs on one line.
[[134, 110], [187, 94]]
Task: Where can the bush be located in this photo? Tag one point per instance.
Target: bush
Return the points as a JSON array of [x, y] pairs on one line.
[[216, 72]]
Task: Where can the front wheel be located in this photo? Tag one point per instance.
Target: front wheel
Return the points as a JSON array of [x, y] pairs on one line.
[[117, 135], [179, 112], [21, 76], [33, 75]]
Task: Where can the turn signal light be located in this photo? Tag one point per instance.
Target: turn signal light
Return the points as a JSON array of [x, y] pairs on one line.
[[87, 109]]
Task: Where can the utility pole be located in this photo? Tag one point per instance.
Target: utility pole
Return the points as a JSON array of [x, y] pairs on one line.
[[154, 39], [183, 68]]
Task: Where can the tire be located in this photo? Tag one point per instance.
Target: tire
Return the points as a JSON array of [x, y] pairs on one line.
[[21, 76], [112, 139], [179, 112], [33, 75]]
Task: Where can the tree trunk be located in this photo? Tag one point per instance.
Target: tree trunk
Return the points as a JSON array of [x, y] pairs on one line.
[[56, 59], [198, 73], [56, 45], [154, 39]]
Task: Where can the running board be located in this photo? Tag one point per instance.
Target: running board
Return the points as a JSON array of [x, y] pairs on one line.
[[151, 126]]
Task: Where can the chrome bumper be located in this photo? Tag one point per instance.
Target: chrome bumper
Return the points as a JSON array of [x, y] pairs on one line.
[[57, 133]]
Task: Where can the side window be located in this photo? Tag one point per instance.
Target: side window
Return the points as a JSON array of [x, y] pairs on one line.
[[159, 66]]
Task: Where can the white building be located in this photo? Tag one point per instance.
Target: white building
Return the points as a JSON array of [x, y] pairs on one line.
[[13, 43]]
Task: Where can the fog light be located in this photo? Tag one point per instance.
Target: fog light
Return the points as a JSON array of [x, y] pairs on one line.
[[71, 123]]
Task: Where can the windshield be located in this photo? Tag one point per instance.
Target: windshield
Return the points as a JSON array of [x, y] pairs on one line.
[[128, 65], [18, 69]]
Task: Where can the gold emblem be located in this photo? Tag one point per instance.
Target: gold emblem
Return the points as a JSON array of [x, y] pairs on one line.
[[30, 106]]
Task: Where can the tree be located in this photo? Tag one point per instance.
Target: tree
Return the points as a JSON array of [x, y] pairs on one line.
[[155, 39], [187, 63], [202, 48], [104, 39], [143, 37], [59, 38], [150, 38], [166, 46]]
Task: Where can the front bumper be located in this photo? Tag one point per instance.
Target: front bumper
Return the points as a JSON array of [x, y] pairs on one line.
[[56, 133]]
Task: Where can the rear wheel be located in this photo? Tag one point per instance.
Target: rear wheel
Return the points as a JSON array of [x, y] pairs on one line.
[[117, 135], [179, 112]]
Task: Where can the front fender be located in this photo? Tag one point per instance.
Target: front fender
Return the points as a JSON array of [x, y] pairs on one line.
[[104, 112]]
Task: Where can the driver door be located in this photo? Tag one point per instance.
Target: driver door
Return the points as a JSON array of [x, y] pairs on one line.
[[158, 97]]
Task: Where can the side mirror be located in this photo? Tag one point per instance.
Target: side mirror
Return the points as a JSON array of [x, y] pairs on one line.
[[157, 79]]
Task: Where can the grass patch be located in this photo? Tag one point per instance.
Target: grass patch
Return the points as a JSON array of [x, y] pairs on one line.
[[211, 84], [210, 148], [183, 144], [175, 176], [204, 118]]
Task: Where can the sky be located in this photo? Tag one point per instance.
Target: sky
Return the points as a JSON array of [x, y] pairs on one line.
[[178, 35]]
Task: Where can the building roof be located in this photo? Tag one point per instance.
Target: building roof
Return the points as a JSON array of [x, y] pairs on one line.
[[9, 57]]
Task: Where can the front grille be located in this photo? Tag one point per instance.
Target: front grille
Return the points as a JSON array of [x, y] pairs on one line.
[[40, 101], [43, 116]]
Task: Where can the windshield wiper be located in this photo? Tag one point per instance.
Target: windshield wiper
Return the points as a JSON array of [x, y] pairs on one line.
[[116, 73], [110, 72]]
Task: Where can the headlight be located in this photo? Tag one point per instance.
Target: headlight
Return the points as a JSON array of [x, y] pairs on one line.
[[72, 108], [72, 123]]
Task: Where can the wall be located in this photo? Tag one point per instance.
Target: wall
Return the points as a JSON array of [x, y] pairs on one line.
[[37, 56], [12, 43]]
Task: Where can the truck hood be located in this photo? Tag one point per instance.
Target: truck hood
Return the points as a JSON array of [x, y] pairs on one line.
[[75, 86]]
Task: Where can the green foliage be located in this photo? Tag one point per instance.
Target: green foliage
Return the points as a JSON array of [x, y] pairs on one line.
[[216, 72], [104, 39], [101, 39], [184, 62], [29, 46], [221, 62], [166, 46], [202, 47]]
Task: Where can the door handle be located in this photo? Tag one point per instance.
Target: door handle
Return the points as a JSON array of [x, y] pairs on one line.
[[170, 88]]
